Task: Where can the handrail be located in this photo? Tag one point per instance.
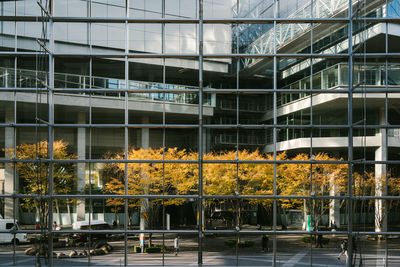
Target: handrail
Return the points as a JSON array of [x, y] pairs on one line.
[[32, 79], [375, 78]]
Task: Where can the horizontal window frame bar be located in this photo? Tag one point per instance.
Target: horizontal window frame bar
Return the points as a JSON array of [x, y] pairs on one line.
[[78, 125], [299, 126], [316, 162], [271, 126], [127, 55], [97, 196], [307, 91], [139, 161], [208, 91], [242, 20], [197, 196], [110, 231], [278, 55], [101, 90], [190, 232], [310, 197], [286, 232], [208, 126], [205, 56], [102, 55]]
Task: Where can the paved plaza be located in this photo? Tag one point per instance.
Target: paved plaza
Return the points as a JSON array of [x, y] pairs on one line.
[[290, 252]]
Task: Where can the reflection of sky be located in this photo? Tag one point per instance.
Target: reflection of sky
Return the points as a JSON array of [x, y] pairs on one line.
[[264, 8], [394, 8], [248, 33]]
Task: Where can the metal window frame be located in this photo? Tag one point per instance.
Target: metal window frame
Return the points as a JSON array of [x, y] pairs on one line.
[[201, 57]]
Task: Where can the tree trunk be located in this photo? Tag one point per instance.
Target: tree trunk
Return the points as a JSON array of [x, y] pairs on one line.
[[284, 222], [130, 219], [58, 212], [239, 211], [69, 211], [116, 217], [305, 214], [150, 240], [37, 212]]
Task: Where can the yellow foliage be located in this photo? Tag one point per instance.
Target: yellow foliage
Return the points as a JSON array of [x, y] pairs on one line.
[[35, 175], [222, 177]]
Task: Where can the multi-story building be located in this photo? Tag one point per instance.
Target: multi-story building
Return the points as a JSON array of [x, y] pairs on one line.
[[379, 142], [208, 76], [105, 74]]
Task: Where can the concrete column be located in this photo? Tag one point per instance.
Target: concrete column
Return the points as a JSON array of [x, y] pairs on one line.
[[334, 205], [205, 142], [145, 144], [145, 135], [81, 167], [9, 183], [380, 177]]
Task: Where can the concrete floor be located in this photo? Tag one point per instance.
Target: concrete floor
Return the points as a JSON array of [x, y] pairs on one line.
[[291, 251]]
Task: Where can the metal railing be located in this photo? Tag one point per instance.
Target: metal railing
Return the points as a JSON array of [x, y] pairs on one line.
[[337, 76], [232, 139], [33, 79]]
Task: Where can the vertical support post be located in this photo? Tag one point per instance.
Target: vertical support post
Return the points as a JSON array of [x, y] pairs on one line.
[[126, 130], [163, 133], [145, 145], [9, 183], [334, 204], [386, 122], [89, 14], [81, 167], [350, 136], [200, 199], [380, 176], [14, 81], [50, 152], [275, 137]]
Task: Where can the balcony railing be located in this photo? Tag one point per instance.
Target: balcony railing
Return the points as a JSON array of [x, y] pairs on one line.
[[33, 79], [394, 132], [337, 76], [231, 139], [290, 134], [243, 106]]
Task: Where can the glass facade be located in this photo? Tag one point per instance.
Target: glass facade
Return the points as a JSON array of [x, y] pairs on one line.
[[199, 132]]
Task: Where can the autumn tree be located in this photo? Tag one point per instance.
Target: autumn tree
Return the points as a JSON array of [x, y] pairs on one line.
[[152, 179], [234, 179], [319, 179], [366, 183], [35, 175], [222, 177]]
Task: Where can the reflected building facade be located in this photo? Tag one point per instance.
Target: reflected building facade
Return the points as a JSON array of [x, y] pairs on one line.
[[253, 86]]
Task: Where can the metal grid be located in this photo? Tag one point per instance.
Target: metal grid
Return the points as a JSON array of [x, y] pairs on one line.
[[201, 126]]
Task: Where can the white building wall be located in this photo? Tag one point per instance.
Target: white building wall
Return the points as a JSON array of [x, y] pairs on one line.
[[143, 37]]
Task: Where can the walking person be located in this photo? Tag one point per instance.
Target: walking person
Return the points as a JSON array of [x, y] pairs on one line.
[[343, 247], [264, 243], [319, 241], [176, 245], [55, 226], [333, 226]]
